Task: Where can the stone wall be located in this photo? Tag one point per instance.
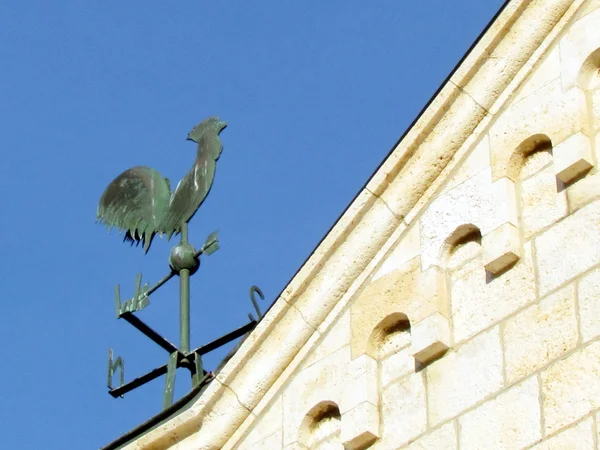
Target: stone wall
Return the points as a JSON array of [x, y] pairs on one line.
[[480, 327]]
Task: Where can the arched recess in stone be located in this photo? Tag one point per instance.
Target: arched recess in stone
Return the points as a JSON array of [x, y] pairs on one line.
[[407, 293], [390, 335], [321, 427], [530, 156], [335, 388], [541, 199], [589, 74], [463, 244]]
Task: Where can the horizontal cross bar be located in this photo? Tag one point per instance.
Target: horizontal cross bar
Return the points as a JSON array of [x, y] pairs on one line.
[[153, 335], [182, 360], [207, 348]]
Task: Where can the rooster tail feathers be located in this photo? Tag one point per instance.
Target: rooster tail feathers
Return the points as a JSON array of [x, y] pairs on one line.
[[135, 202]]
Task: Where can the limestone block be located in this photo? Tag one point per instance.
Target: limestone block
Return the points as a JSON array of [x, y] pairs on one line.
[[396, 366], [295, 446], [321, 382], [477, 201], [334, 338], [272, 442], [475, 162], [541, 204], [478, 302], [408, 248], [407, 290], [360, 384], [510, 421], [344, 264], [578, 437], [597, 427], [589, 306], [460, 380], [548, 111], [539, 334], [337, 380], [403, 411], [502, 248], [590, 6], [571, 388], [430, 338], [568, 248], [573, 157], [586, 189], [268, 422], [595, 98], [461, 116], [360, 427], [581, 39], [290, 330], [547, 71], [442, 438]]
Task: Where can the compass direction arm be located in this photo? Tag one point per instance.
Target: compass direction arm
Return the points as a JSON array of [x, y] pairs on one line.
[[256, 290], [140, 299], [119, 363], [210, 246]]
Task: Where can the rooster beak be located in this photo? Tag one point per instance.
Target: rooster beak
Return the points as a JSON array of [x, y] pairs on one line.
[[188, 138]]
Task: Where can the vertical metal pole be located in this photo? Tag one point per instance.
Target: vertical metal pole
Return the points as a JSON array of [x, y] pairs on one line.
[[184, 299]]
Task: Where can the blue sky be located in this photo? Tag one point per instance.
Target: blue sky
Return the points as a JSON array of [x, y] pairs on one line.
[[315, 95]]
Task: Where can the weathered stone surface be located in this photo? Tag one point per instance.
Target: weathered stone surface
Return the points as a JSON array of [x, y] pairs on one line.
[[360, 427], [323, 381], [547, 71], [595, 98], [408, 291], [540, 334], [477, 201], [403, 412], [272, 442], [478, 302], [501, 248], [475, 162], [588, 7], [578, 437], [430, 338], [336, 337], [290, 330], [408, 248], [586, 189], [573, 157], [510, 421], [571, 388], [541, 204], [269, 422], [548, 111], [442, 438], [396, 366], [360, 384], [589, 306], [580, 40], [568, 248], [460, 380]]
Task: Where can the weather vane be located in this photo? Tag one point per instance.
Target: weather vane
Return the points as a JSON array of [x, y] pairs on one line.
[[140, 203]]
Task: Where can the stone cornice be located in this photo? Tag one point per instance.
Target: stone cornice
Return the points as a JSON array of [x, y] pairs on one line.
[[484, 81]]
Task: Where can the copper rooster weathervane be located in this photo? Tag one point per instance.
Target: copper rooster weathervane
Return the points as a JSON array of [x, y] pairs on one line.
[[140, 203]]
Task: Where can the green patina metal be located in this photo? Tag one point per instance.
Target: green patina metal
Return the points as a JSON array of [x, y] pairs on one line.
[[140, 203]]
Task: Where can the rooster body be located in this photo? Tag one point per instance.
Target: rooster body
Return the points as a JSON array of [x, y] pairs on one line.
[[140, 201]]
